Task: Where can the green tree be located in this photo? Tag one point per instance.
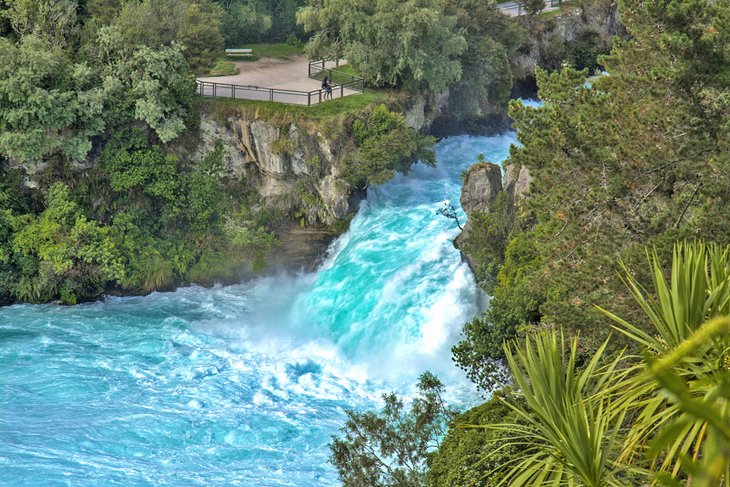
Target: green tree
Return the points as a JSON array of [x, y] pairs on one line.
[[48, 105], [152, 85], [54, 21], [532, 7], [408, 43], [488, 245], [104, 11], [638, 157], [459, 460], [391, 448], [157, 24], [245, 21], [385, 145], [491, 38]]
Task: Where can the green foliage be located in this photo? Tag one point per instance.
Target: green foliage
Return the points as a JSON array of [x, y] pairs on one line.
[[688, 360], [54, 21], [663, 417], [104, 83], [491, 38], [638, 158], [514, 303], [75, 256], [54, 101], [410, 43], [145, 84], [47, 105], [136, 171], [706, 417], [488, 236], [571, 434], [391, 448], [584, 51], [150, 221], [269, 21], [460, 459], [103, 12], [384, 144], [533, 7], [156, 23], [246, 21]]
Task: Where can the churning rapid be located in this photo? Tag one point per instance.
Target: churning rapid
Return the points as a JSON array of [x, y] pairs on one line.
[[243, 385]]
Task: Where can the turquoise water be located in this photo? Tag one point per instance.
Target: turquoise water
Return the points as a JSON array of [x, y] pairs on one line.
[[243, 385]]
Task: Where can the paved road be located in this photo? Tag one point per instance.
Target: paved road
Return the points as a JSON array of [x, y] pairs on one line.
[[256, 78]]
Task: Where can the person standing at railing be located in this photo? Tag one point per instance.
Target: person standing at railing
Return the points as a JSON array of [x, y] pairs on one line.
[[325, 86], [329, 88]]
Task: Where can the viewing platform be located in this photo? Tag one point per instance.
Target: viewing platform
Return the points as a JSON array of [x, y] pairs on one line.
[[295, 81]]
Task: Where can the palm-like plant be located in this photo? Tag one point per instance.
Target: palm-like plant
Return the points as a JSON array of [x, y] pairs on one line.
[[675, 401], [567, 436], [698, 290]]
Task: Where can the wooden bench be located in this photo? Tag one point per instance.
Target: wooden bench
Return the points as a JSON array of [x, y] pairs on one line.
[[239, 52]]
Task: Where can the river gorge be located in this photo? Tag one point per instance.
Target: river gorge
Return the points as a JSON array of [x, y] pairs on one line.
[[245, 384]]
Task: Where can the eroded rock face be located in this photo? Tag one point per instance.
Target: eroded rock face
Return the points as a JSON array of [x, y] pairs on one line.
[[332, 192], [482, 183], [268, 160], [282, 164], [517, 181]]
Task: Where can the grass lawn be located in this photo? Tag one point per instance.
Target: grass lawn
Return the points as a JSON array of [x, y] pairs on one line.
[[321, 111], [223, 68], [278, 51]]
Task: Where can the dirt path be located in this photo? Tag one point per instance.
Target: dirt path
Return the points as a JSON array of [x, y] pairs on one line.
[[266, 73]]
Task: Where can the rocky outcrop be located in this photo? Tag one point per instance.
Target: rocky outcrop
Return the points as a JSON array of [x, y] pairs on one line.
[[575, 35], [517, 181], [482, 183], [445, 114], [288, 165]]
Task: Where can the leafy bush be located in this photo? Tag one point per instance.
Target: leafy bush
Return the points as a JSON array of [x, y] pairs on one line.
[[384, 144]]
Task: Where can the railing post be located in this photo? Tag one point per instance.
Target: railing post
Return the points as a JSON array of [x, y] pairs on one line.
[[342, 91], [309, 99], [320, 96], [215, 90], [271, 94]]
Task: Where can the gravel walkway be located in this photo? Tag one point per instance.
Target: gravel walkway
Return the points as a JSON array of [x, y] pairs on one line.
[[256, 79]]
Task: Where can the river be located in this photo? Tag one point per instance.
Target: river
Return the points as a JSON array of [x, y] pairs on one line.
[[245, 384]]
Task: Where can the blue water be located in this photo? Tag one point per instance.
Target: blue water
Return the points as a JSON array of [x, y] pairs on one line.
[[243, 385]]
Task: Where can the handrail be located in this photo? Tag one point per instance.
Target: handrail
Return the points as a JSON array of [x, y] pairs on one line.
[[317, 67], [228, 90], [212, 89]]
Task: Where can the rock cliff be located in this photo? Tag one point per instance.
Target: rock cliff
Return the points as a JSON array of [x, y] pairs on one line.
[[290, 165], [483, 185]]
